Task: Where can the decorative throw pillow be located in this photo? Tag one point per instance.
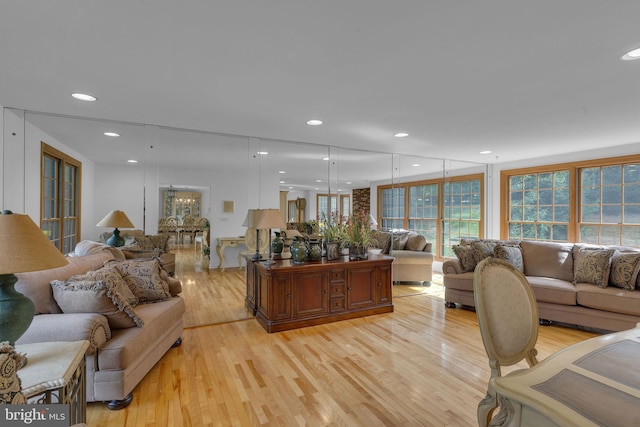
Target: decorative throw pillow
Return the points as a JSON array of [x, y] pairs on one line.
[[10, 384], [415, 242], [624, 270], [91, 296], [384, 241], [160, 241], [142, 275], [145, 243], [511, 254], [592, 266], [483, 249], [467, 256], [399, 241], [111, 276]]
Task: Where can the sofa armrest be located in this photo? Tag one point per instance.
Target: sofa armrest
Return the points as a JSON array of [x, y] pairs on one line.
[[68, 327], [452, 266]]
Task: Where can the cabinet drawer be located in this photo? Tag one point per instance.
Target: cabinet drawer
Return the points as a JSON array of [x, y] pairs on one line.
[[337, 304], [337, 290], [337, 275]]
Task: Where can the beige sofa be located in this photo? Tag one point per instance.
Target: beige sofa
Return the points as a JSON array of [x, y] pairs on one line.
[[413, 259], [586, 285], [120, 353]]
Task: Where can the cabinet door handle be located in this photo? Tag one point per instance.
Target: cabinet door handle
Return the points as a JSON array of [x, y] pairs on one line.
[[288, 295], [325, 291], [379, 284]]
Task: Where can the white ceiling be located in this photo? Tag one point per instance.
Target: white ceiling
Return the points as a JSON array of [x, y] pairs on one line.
[[520, 78]]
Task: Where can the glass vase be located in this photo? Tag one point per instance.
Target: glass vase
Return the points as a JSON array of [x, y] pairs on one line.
[[357, 252]]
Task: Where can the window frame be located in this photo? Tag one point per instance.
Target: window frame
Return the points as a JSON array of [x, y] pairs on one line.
[[575, 190], [61, 198]]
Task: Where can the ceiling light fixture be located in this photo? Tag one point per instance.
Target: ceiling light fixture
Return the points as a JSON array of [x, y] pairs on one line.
[[264, 153], [485, 152], [281, 182], [415, 165], [112, 134], [325, 158], [314, 122], [132, 161], [84, 97], [318, 180], [631, 55], [401, 134], [282, 172]]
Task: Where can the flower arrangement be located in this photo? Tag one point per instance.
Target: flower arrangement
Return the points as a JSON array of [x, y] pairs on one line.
[[331, 227], [357, 232]]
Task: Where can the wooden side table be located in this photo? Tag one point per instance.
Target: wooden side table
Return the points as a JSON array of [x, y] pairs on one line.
[[55, 373]]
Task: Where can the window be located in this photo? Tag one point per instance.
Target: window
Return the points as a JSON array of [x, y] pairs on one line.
[[594, 201], [60, 198], [462, 217], [539, 206], [328, 203], [442, 211], [392, 212], [610, 205]]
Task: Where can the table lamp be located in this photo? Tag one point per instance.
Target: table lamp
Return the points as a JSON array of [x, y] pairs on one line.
[[270, 218], [251, 220], [115, 219], [24, 247]]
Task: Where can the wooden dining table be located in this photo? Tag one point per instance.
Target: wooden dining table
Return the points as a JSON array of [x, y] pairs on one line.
[[592, 383]]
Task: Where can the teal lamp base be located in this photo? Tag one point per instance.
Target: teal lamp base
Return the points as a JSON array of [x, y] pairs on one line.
[[115, 239], [16, 310]]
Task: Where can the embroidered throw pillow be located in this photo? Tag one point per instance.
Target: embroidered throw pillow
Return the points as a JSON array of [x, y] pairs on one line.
[[511, 254], [142, 275], [592, 266], [624, 270], [467, 256]]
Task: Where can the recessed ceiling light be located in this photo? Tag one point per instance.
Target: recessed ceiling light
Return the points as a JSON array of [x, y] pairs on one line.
[[318, 180], [132, 161], [401, 134], [264, 153], [348, 182], [84, 97], [290, 188], [415, 165], [113, 134], [281, 182], [316, 188], [631, 55], [314, 122], [485, 152], [325, 158], [282, 171]]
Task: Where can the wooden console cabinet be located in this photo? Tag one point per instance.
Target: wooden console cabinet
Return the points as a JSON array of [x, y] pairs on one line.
[[288, 296]]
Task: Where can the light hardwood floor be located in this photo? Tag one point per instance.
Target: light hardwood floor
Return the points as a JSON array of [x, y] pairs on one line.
[[422, 365]]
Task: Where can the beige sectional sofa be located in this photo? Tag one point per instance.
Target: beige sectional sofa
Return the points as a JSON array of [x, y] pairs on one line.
[[129, 330], [587, 285], [413, 260]]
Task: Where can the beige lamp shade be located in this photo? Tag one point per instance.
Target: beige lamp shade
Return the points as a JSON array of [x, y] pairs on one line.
[[251, 220], [270, 218], [24, 247], [116, 219]]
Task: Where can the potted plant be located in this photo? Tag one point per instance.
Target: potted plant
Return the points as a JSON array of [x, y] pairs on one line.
[[357, 235], [331, 233]]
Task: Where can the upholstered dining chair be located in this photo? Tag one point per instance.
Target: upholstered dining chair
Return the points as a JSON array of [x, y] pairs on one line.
[[189, 227], [508, 317]]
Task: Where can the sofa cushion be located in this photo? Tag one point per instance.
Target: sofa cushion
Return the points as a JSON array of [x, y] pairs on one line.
[[511, 254], [611, 299], [143, 278], [467, 256], [592, 266], [547, 259], [36, 286], [624, 270], [415, 242], [110, 275], [556, 291], [100, 297], [126, 345]]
